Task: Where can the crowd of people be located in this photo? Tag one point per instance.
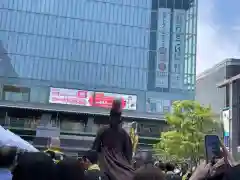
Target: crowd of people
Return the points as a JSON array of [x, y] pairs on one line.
[[110, 158]]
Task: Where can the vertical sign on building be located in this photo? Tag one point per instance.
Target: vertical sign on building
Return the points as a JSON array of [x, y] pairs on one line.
[[226, 126], [178, 49], [163, 43]]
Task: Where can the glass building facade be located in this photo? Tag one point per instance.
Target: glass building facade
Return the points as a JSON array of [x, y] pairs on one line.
[[98, 45]]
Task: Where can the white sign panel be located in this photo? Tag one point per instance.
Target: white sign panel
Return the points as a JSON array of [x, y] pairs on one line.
[[225, 119], [163, 43], [178, 49]]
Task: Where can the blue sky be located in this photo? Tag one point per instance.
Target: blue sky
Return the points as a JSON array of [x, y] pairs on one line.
[[218, 32]]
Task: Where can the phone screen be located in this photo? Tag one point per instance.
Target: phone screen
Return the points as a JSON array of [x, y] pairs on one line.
[[212, 148]]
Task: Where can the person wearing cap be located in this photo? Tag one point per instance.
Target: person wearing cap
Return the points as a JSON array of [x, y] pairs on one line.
[[114, 146]]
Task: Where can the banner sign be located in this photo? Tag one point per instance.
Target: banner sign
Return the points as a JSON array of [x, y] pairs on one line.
[[163, 44], [226, 126], [71, 96], [90, 98], [129, 102], [178, 49]]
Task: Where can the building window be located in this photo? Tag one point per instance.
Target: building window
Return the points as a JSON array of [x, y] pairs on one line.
[[14, 93], [39, 94], [1, 89], [154, 105]]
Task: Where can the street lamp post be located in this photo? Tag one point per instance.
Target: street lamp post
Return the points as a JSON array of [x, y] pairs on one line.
[[228, 83]]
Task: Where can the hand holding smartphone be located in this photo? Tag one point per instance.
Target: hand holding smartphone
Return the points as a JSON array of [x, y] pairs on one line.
[[212, 148]]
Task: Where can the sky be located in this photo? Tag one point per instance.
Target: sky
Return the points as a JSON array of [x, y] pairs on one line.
[[218, 32]]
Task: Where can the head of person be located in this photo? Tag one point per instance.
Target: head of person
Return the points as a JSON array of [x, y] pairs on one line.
[[92, 157], [169, 167], [34, 166], [162, 166], [7, 156], [184, 168], [148, 173], [116, 113], [69, 169], [55, 143]]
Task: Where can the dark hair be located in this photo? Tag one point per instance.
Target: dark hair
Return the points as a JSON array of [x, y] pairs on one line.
[[7, 156], [148, 173], [169, 166], [34, 166], [162, 166], [70, 169], [92, 156]]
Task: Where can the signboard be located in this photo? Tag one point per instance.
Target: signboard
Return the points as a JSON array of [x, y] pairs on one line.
[[104, 100], [163, 43], [226, 126], [71, 96], [178, 49], [90, 98]]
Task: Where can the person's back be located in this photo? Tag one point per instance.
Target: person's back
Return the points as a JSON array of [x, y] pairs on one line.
[[115, 147], [34, 166]]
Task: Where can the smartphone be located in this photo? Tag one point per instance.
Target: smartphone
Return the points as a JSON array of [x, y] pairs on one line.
[[212, 148]]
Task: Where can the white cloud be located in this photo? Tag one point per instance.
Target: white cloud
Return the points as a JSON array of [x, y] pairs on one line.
[[214, 44]]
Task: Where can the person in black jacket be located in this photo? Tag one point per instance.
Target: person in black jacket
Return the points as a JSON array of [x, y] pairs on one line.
[[114, 146], [34, 166]]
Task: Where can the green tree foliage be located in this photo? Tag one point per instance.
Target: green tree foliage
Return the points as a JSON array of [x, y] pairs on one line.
[[188, 123]]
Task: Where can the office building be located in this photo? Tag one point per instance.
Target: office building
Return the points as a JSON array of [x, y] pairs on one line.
[[67, 59], [208, 93]]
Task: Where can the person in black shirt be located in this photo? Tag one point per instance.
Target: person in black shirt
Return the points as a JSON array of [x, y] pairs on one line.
[[115, 147]]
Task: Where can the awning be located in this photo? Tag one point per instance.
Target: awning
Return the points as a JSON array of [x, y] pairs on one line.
[[80, 110]]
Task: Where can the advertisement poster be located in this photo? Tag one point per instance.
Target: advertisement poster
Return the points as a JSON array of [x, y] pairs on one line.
[[90, 98], [178, 49], [163, 43], [226, 126], [71, 96], [104, 100]]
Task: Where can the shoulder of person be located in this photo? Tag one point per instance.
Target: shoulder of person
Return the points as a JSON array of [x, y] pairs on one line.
[[94, 175]]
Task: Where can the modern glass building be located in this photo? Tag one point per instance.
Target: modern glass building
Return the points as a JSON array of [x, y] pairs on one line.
[[54, 51]]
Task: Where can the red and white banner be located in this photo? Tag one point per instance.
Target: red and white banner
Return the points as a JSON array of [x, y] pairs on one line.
[[90, 98], [129, 102], [71, 96]]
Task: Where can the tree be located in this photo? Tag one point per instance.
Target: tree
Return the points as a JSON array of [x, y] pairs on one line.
[[188, 123]]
